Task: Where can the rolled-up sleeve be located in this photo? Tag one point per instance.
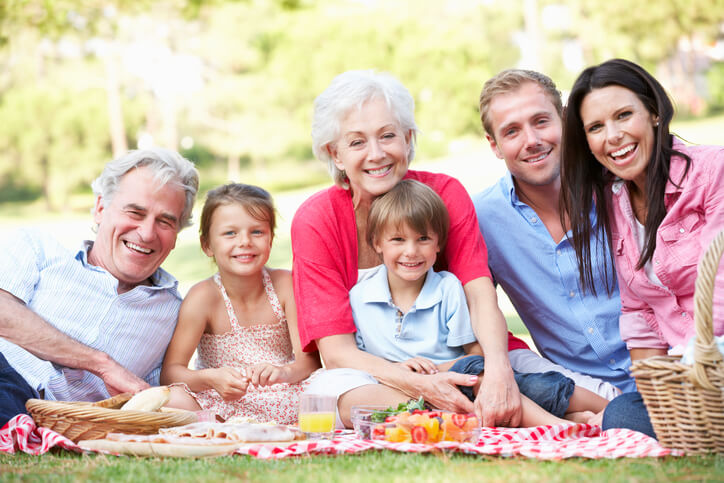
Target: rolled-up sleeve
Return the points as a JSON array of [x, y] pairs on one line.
[[324, 267]]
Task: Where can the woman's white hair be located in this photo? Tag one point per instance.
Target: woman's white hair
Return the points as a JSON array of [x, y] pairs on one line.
[[168, 167], [352, 89]]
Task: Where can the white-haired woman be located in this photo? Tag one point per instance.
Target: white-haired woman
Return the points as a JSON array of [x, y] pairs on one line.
[[364, 128]]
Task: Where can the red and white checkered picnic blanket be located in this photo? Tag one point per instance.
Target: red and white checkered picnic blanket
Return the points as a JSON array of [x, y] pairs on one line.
[[543, 442]]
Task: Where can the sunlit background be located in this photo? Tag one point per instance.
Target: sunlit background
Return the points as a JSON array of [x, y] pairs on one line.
[[230, 84]]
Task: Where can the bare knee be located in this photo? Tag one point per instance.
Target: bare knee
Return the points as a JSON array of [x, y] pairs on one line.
[[180, 399]]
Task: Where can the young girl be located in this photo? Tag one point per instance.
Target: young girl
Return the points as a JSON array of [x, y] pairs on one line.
[[243, 319], [407, 313]]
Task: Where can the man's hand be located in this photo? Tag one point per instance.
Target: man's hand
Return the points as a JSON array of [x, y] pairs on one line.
[[498, 399], [118, 379], [419, 365]]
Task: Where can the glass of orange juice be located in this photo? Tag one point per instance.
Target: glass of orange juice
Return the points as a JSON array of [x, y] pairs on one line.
[[317, 415]]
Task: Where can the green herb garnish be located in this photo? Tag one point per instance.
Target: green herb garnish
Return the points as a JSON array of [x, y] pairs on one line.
[[411, 405]]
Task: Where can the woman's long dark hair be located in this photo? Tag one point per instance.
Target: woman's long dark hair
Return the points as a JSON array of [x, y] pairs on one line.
[[584, 180]]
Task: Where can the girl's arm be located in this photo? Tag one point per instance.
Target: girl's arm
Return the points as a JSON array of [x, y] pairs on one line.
[[304, 362], [192, 321]]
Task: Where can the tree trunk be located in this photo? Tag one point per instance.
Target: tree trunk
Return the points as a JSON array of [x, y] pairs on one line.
[[119, 145]]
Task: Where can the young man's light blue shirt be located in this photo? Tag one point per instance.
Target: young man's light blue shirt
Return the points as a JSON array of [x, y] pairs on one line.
[[574, 329], [436, 326], [81, 300]]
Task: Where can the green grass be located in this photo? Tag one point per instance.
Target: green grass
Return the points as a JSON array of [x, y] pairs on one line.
[[385, 466]]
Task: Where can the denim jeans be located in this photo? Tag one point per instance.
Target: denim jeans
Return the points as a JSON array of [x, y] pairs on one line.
[[628, 411], [550, 390], [14, 391]]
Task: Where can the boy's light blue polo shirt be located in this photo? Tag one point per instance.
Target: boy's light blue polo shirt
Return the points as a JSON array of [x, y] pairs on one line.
[[436, 326], [569, 327]]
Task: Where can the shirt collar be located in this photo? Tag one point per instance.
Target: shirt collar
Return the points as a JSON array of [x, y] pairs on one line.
[[160, 279], [509, 187], [379, 289]]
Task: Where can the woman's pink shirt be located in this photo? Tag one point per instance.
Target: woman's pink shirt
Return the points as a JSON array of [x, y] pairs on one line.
[[655, 316]]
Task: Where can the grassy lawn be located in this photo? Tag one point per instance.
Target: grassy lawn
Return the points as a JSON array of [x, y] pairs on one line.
[[370, 466]]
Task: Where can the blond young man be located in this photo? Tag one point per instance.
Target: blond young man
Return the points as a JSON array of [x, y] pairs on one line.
[[529, 253]]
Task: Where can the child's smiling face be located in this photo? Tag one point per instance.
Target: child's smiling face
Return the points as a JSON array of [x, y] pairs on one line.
[[239, 243], [407, 254]]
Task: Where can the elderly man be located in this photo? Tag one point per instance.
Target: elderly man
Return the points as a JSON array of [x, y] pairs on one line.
[[86, 324], [530, 255]]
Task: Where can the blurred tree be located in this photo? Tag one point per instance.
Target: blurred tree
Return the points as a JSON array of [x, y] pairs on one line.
[[663, 34], [50, 143], [61, 109], [236, 80]]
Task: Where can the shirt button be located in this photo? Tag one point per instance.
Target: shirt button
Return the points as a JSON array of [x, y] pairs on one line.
[[534, 219], [681, 230], [559, 252], [590, 330], [657, 262], [683, 314], [612, 361], [571, 293]]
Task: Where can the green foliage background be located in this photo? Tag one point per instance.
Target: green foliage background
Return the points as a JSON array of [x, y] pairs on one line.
[[239, 77]]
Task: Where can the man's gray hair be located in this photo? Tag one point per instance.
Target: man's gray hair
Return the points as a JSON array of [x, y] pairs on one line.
[[168, 167], [352, 89]]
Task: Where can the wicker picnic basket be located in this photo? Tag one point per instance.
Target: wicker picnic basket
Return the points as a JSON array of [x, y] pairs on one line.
[[686, 402], [81, 420]]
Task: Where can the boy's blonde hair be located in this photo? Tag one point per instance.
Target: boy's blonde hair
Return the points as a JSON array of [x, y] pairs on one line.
[[409, 203]]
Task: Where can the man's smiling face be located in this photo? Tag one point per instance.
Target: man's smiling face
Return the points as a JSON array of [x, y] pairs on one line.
[[527, 130], [137, 229]]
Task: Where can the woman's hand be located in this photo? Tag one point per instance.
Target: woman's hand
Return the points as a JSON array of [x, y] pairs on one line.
[[419, 365], [230, 383], [441, 391], [267, 374]]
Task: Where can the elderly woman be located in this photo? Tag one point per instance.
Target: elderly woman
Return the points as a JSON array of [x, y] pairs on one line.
[[661, 201], [364, 129]]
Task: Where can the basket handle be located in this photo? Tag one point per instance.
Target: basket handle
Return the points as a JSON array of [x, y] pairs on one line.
[[706, 352]]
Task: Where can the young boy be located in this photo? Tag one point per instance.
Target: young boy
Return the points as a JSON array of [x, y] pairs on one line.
[[410, 314]]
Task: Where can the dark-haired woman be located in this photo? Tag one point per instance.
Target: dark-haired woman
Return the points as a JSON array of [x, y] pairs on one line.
[[660, 201]]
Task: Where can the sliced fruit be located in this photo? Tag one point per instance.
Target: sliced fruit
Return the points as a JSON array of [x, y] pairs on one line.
[[396, 434], [471, 424], [418, 434], [433, 430], [378, 432], [459, 419]]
